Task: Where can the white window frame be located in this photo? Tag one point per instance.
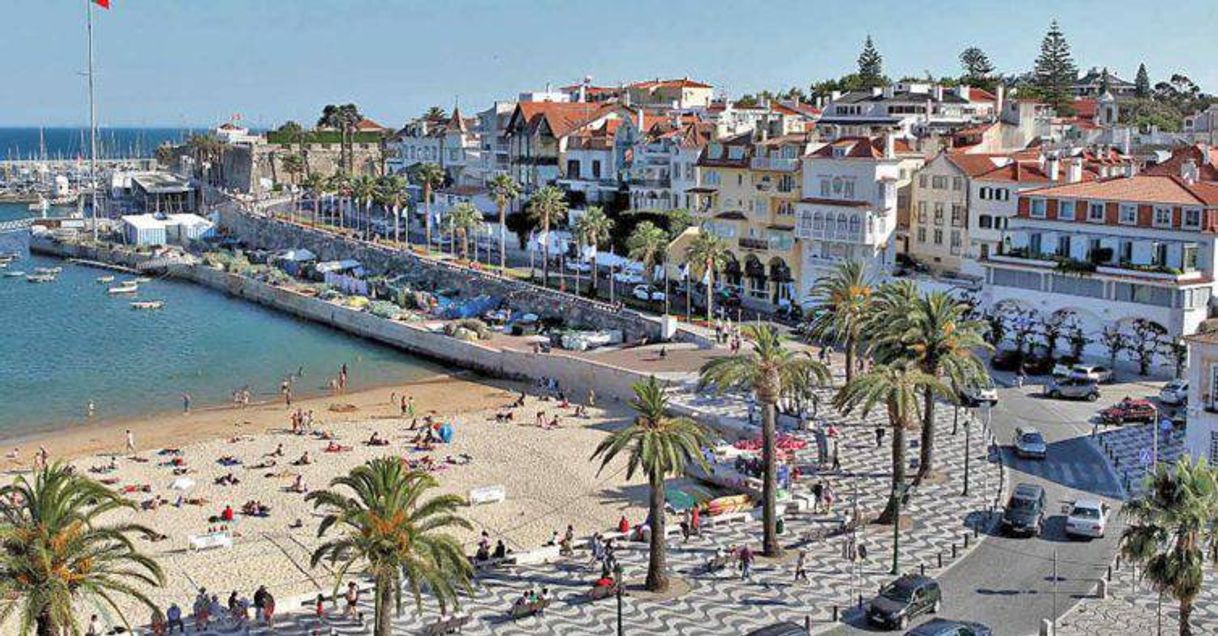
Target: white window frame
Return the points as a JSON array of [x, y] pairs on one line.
[[1184, 220], [1032, 208], [1160, 210], [1091, 208], [1063, 205], [1122, 208]]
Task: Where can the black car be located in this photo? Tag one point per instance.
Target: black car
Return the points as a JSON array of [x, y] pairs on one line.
[[1025, 511], [783, 628], [944, 627], [903, 599]]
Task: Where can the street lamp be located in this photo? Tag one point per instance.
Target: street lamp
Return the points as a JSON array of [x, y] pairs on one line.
[[898, 493], [968, 452], [617, 579]]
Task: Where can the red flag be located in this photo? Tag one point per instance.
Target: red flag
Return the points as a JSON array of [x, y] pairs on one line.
[[105, 4]]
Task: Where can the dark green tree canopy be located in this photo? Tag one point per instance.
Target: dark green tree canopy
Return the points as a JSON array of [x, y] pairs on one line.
[[1142, 83], [1055, 70], [871, 65]]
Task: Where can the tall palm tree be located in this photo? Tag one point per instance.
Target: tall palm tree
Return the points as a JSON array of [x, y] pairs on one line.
[[660, 446], [364, 189], [389, 532], [547, 207], [843, 302], [896, 386], [648, 244], [340, 184], [930, 330], [1172, 531], [465, 220], [429, 176], [504, 189], [593, 228], [769, 371], [706, 255], [394, 190], [316, 185], [57, 548]]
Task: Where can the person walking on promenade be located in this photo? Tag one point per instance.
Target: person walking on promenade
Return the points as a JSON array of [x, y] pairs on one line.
[[746, 564], [185, 402], [879, 436], [352, 598], [801, 570], [130, 441]]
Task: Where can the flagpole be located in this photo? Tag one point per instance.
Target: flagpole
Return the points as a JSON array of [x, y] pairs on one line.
[[92, 121]]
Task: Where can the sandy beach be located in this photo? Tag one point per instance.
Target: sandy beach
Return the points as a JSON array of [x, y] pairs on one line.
[[546, 474]]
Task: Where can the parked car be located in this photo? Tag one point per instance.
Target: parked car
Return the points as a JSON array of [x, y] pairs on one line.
[[1092, 372], [643, 292], [1025, 511], [945, 627], [1076, 388], [1086, 518], [727, 298], [783, 628], [978, 394], [1129, 410], [579, 266], [628, 277], [903, 599], [1175, 393], [1030, 443]]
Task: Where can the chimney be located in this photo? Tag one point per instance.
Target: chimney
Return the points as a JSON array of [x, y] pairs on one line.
[[999, 94], [937, 92], [889, 91], [583, 91], [1189, 172], [1205, 149], [890, 145], [876, 91], [835, 95], [1074, 170], [641, 129], [1052, 164], [1040, 160]]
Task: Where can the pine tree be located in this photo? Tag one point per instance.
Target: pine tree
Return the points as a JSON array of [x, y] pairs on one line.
[[871, 65], [1055, 70], [1105, 82], [1141, 83], [978, 71]]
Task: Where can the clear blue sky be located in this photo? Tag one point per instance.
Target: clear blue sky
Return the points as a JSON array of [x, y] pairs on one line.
[[179, 62]]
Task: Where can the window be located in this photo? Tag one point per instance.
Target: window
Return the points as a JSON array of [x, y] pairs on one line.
[[1063, 245], [957, 183], [1213, 447], [1036, 208], [938, 237], [1188, 258], [712, 178], [938, 214], [824, 186], [855, 226], [1034, 244], [848, 189], [1128, 214], [921, 181], [1065, 210], [957, 214], [1126, 253], [1158, 254], [1192, 218], [955, 241], [596, 168], [1162, 216], [984, 193], [1002, 194], [573, 168], [1095, 211], [740, 180], [921, 212], [921, 235], [818, 222], [938, 182], [985, 221]]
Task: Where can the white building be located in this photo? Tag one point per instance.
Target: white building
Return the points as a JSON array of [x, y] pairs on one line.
[[452, 143], [913, 109], [1201, 436], [162, 229]]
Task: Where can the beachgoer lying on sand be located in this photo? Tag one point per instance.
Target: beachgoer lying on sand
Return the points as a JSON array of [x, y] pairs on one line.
[[460, 460], [304, 460], [152, 504], [266, 463], [229, 460], [324, 435], [295, 525], [504, 416], [255, 509], [335, 447], [581, 411], [227, 480], [137, 459], [377, 440], [13, 454], [169, 451], [133, 488], [298, 485], [196, 501], [278, 452], [178, 472], [108, 481]]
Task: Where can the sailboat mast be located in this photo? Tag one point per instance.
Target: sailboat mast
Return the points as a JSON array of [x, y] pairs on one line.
[[92, 121]]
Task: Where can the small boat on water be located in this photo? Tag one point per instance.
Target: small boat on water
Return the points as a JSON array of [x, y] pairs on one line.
[[105, 279], [147, 304], [143, 279], [48, 270], [14, 274], [128, 287], [40, 278]]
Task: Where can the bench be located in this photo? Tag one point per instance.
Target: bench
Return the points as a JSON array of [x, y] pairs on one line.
[[728, 518], [487, 494], [447, 625], [525, 610], [209, 541]]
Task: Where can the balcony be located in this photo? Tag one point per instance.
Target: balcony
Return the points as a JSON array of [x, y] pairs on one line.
[[781, 164], [754, 243], [1024, 257], [650, 183]]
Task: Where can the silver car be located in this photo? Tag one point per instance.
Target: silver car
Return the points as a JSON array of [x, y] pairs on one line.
[[1030, 443], [1075, 388], [1092, 372]]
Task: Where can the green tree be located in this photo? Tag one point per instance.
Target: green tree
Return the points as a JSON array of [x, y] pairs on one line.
[[1141, 83], [389, 532], [842, 302], [340, 182], [978, 71], [342, 118], [316, 185], [547, 208], [504, 189], [57, 549], [1055, 71], [364, 189], [464, 219], [871, 65], [660, 446], [897, 387], [395, 192], [706, 256], [428, 176], [435, 113], [593, 228], [769, 371], [1172, 532], [294, 165], [931, 331], [648, 244]]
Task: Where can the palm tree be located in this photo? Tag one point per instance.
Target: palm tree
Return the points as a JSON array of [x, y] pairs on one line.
[[649, 245], [340, 184], [706, 255], [465, 219], [930, 330], [394, 190], [294, 165], [343, 118], [429, 176], [593, 228], [660, 446], [504, 189], [547, 207], [1172, 531], [843, 300], [388, 532], [316, 184], [769, 371], [364, 189], [58, 549], [896, 386]]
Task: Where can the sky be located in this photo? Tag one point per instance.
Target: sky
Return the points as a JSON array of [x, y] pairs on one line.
[[198, 62]]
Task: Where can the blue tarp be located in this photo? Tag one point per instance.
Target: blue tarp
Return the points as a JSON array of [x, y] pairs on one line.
[[451, 308], [446, 433]]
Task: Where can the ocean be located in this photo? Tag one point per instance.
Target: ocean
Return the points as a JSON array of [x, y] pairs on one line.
[[63, 344], [73, 142]]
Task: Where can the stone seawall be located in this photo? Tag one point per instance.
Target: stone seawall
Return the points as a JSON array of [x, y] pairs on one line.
[[269, 233]]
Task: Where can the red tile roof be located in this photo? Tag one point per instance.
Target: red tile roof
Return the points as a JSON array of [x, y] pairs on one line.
[[670, 83], [861, 147], [369, 125], [561, 117], [1207, 171], [980, 95], [1140, 188]]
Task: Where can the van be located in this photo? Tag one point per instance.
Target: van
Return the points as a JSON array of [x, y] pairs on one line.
[[1025, 511]]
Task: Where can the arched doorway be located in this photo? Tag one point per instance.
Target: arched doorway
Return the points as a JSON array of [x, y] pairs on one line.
[[781, 288], [756, 279]]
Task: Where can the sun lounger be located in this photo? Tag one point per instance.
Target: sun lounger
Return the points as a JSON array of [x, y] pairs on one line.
[[210, 540]]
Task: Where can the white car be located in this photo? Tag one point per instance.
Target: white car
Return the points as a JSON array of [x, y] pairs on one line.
[[628, 278], [1086, 518], [643, 292], [1175, 393], [983, 394], [1095, 373]]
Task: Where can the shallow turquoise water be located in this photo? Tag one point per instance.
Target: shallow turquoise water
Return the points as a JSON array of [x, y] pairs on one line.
[[63, 344]]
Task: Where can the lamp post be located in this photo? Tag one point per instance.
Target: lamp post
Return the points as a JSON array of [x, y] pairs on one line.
[[898, 493], [617, 579], [968, 452]]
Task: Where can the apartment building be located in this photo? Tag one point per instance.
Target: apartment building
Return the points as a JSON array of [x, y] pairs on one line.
[[682, 93], [913, 109], [1112, 250], [1201, 433], [452, 143], [537, 136], [938, 222]]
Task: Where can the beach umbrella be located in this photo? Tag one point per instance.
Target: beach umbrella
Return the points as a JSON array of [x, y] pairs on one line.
[[182, 483], [679, 499]]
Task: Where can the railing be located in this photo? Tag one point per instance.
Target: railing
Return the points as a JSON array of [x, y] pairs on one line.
[[651, 183], [831, 235], [754, 243], [774, 163], [16, 225]]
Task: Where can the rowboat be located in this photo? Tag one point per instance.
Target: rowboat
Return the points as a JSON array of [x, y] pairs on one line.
[[40, 278], [14, 274], [147, 304], [143, 279], [128, 287], [48, 270], [105, 279]]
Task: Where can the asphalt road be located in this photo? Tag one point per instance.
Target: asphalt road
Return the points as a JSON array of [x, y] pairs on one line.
[[1008, 583]]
